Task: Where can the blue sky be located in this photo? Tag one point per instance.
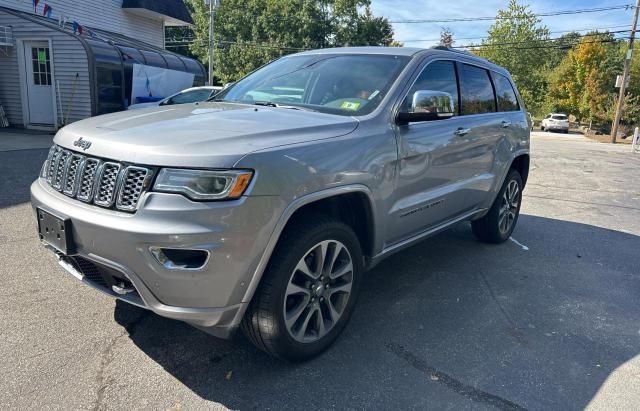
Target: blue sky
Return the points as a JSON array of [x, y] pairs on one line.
[[440, 9]]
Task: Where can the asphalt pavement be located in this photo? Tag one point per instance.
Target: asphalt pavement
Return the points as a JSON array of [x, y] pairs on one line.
[[549, 320]]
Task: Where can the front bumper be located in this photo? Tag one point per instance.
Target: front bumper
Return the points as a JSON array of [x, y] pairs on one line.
[[235, 233]]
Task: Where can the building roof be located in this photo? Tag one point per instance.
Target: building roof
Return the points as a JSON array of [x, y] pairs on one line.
[[176, 10]]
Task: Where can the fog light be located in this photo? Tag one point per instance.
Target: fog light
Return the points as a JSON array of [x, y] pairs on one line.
[[180, 258]]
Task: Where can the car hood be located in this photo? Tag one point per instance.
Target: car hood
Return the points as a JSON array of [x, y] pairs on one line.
[[206, 134], [144, 105]]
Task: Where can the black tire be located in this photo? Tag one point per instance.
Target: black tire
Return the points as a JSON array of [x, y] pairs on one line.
[[264, 322], [541, 128], [488, 228]]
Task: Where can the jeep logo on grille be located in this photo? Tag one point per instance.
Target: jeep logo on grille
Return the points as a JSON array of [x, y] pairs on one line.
[[83, 144]]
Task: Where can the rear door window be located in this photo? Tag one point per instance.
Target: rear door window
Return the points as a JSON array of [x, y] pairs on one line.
[[476, 91], [507, 100]]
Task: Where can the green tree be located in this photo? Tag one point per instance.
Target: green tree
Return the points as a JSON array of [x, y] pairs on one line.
[[560, 47], [250, 33], [446, 37], [583, 83], [519, 42]]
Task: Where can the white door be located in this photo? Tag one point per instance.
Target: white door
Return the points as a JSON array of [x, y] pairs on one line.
[[37, 58]]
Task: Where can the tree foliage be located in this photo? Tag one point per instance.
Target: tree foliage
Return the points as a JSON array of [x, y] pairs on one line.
[[250, 33], [583, 83], [518, 41], [446, 37]]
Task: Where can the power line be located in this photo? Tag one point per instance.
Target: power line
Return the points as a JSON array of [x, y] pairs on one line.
[[544, 43], [593, 29], [489, 18], [240, 43], [550, 47], [551, 32]]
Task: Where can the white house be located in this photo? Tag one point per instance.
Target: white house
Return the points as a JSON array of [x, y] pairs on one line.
[[65, 60]]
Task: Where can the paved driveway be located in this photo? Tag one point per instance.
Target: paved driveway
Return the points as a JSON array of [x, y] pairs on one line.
[[550, 320]]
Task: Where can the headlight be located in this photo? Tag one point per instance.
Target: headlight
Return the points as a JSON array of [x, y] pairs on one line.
[[203, 184]]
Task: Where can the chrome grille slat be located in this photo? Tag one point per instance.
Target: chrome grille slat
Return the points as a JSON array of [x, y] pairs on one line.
[[134, 181], [58, 174], [108, 184], [87, 179], [69, 186]]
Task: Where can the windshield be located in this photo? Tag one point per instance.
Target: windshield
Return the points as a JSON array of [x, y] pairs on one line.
[[559, 117], [336, 84]]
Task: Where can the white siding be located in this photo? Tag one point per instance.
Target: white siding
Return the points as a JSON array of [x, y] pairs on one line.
[[69, 59], [100, 14]]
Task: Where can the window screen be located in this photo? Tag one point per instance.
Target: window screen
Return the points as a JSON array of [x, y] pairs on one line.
[[507, 100], [477, 91]]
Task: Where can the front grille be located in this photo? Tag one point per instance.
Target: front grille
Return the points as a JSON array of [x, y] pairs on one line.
[[104, 183]]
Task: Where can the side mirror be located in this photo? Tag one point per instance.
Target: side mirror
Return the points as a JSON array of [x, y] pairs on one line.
[[428, 105]]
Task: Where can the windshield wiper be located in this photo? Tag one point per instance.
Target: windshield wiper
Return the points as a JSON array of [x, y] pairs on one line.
[[272, 104], [265, 103]]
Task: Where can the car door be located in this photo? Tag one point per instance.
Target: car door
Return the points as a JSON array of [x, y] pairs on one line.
[[445, 164], [515, 121], [488, 136]]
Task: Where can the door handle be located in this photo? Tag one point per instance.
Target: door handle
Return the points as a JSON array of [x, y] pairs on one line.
[[506, 124], [462, 131]]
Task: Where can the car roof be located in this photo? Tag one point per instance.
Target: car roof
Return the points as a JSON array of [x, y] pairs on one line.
[[405, 51], [201, 88], [394, 51]]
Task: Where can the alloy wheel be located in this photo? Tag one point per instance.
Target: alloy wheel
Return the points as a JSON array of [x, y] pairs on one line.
[[509, 206], [318, 291]]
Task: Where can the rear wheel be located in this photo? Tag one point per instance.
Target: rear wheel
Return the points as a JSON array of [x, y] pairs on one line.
[[308, 292], [498, 224]]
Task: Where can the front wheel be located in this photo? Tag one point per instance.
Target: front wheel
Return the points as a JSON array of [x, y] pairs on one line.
[[500, 221], [308, 292]]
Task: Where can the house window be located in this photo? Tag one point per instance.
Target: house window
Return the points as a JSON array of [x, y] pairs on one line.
[[41, 66]]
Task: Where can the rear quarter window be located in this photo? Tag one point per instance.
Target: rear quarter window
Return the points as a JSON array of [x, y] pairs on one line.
[[476, 91], [505, 94]]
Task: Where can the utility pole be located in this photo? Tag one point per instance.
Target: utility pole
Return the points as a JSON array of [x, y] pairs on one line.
[[212, 7], [625, 75]]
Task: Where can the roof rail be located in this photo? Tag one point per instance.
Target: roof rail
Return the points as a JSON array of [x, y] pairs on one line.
[[443, 48]]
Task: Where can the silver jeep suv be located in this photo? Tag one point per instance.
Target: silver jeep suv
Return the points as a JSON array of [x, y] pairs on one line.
[[263, 208]]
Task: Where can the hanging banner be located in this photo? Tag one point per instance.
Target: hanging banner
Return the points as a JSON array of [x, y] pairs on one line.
[[47, 10], [157, 83]]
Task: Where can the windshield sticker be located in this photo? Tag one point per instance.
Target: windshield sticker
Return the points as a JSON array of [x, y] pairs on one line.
[[350, 105]]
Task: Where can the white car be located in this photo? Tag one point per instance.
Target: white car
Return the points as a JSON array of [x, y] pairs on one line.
[[555, 122], [190, 95]]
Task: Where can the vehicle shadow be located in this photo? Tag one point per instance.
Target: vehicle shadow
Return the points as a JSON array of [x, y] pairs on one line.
[[18, 169], [448, 323]]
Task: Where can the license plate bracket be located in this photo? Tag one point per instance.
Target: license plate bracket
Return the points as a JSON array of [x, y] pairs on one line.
[[55, 231]]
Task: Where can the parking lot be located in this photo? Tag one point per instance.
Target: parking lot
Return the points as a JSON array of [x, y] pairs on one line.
[[549, 320]]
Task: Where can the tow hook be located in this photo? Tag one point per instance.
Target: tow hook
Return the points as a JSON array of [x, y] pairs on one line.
[[122, 289]]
